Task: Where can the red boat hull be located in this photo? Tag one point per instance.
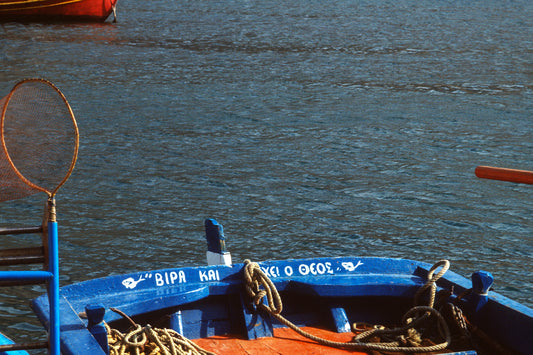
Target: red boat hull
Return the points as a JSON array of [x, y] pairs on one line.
[[80, 10]]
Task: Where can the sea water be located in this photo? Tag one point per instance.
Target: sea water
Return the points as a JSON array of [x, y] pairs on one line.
[[307, 128]]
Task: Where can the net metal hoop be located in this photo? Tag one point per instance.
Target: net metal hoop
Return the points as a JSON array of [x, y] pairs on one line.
[[4, 147]]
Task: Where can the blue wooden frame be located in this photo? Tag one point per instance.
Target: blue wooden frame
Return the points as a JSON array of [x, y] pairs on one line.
[[50, 277], [53, 289]]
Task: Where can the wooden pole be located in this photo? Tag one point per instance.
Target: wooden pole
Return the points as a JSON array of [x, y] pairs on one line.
[[504, 174]]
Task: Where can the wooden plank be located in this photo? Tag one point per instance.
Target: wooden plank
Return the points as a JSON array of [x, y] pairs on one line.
[[17, 256], [23, 230]]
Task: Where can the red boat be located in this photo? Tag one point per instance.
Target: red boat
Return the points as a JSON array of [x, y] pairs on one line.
[[57, 10]]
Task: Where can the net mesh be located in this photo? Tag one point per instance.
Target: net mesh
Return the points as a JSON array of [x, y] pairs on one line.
[[39, 139]]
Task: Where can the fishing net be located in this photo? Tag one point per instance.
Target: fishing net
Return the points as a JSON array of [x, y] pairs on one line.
[[39, 140]]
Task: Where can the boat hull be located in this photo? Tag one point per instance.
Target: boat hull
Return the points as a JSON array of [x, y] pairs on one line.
[[52, 10], [327, 293]]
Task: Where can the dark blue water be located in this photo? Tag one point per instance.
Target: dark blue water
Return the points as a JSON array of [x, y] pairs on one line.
[[307, 128]]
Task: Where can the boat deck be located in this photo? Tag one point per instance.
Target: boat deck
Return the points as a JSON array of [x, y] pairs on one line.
[[285, 341]]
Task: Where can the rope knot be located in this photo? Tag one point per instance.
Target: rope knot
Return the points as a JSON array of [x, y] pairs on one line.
[[431, 281], [258, 286]]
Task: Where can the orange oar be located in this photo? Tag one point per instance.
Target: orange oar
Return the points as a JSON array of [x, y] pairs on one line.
[[504, 174]]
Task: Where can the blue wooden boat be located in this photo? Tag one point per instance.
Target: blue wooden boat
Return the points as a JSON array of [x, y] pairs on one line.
[[330, 295]]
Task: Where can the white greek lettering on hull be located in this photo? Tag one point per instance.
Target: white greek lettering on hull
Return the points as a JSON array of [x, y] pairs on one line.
[[160, 278], [169, 278], [315, 269], [209, 275]]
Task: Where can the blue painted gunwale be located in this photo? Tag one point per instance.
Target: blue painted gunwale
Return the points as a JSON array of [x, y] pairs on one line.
[[328, 278], [6, 341]]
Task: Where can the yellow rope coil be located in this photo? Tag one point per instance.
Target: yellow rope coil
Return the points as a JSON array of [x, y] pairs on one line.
[[151, 341]]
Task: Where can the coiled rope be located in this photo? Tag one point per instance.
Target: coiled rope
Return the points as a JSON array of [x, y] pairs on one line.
[[150, 341], [407, 338]]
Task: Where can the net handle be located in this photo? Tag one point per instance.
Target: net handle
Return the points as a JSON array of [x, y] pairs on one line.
[[75, 125]]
